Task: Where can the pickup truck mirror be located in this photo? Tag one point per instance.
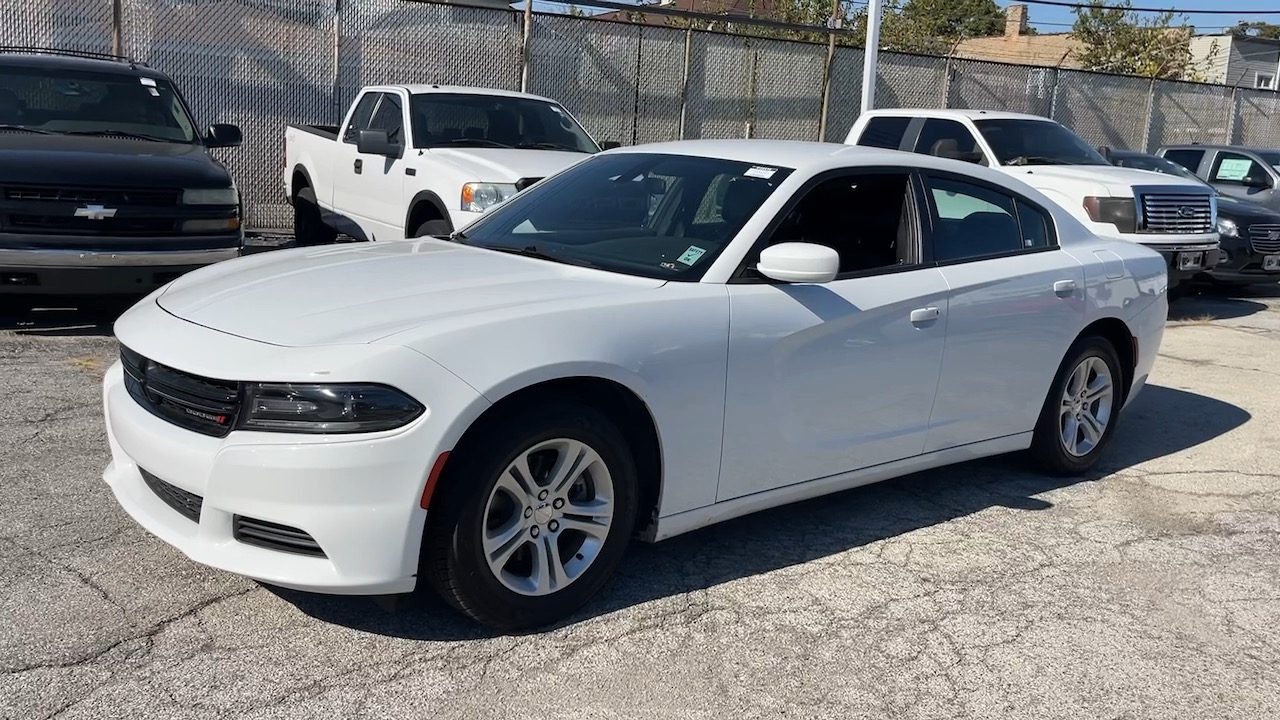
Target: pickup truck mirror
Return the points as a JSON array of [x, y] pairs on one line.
[[1256, 180], [375, 142], [610, 144], [222, 136]]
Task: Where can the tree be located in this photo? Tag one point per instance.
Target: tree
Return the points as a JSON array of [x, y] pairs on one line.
[[1256, 28], [934, 26], [1116, 39]]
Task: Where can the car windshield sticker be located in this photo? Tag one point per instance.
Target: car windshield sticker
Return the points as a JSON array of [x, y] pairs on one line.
[[1234, 169], [691, 255], [154, 92], [147, 81], [760, 172]]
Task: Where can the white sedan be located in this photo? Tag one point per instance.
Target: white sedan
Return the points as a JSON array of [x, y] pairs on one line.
[[651, 341]]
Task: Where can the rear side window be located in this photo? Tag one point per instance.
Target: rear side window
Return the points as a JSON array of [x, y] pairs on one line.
[[974, 222], [948, 139], [1034, 224], [1189, 159], [884, 132]]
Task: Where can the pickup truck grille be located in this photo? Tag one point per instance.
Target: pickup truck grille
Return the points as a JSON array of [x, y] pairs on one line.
[[90, 213], [86, 195], [1265, 238], [70, 225], [1177, 213], [196, 403]]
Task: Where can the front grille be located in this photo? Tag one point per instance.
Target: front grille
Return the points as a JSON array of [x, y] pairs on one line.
[[274, 536], [93, 195], [193, 402], [1265, 238], [71, 225], [1177, 213], [186, 504]]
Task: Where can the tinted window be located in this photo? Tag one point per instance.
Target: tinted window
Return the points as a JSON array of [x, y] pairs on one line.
[[446, 119], [948, 139], [1037, 142], [360, 118], [1034, 225], [656, 215], [389, 117], [1233, 168], [884, 132], [972, 221], [1189, 159], [880, 237]]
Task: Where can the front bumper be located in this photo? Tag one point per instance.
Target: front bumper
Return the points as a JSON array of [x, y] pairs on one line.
[[96, 272], [1241, 265], [358, 497], [1187, 260]]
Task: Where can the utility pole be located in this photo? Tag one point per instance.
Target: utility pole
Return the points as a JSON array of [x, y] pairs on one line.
[[871, 55]]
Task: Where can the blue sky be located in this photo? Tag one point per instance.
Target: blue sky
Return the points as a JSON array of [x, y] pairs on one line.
[[1058, 19]]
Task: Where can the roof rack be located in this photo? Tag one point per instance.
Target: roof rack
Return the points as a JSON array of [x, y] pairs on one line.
[[16, 49]]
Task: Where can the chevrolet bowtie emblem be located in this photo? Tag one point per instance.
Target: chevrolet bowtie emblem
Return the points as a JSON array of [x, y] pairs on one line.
[[95, 212]]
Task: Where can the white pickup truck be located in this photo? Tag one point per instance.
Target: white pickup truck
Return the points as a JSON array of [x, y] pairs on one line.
[[1174, 216], [416, 160]]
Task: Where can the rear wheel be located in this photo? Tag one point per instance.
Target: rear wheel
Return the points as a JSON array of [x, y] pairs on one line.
[[308, 228], [1080, 414], [528, 527]]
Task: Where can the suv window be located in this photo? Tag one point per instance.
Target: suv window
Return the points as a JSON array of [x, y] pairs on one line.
[[389, 117], [973, 222], [948, 139], [1189, 159], [881, 237], [884, 132], [360, 118], [1233, 168]]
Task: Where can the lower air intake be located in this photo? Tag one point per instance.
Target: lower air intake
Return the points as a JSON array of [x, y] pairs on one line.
[[274, 536]]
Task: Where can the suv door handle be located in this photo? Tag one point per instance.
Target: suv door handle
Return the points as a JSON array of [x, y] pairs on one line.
[[359, 166], [924, 315], [1064, 288]]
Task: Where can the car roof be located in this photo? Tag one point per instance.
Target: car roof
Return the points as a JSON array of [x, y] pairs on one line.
[[955, 114], [425, 89], [78, 64]]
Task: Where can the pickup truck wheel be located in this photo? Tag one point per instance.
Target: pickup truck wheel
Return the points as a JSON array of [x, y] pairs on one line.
[[308, 228], [530, 523], [433, 227]]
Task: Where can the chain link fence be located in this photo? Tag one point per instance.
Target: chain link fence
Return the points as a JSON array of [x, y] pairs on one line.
[[265, 63]]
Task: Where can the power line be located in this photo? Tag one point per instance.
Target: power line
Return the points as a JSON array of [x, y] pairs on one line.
[[1091, 6]]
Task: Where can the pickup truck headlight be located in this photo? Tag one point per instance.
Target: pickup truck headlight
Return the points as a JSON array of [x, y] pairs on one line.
[[1121, 212], [326, 408], [478, 197], [210, 196], [1228, 228]]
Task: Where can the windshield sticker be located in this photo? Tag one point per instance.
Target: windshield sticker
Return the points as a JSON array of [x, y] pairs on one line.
[[154, 92], [668, 266], [147, 81], [760, 172], [691, 255], [1233, 169]]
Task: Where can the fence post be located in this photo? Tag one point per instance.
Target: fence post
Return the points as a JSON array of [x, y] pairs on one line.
[[684, 79], [337, 62], [1233, 114], [117, 27], [524, 45], [1151, 112], [826, 87], [1053, 95], [947, 69]]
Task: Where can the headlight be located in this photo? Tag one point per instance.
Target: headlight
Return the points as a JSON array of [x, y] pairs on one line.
[[210, 196], [336, 408], [478, 197], [1121, 212], [1228, 228]]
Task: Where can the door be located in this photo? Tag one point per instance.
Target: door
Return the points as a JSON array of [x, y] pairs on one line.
[[343, 185], [372, 186], [1245, 177], [828, 378], [1014, 306]]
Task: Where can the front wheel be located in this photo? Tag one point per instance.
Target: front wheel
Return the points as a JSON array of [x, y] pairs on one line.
[[526, 528], [308, 227], [1080, 414]]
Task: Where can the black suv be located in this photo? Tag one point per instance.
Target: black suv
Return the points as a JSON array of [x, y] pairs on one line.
[[1249, 234], [106, 185]]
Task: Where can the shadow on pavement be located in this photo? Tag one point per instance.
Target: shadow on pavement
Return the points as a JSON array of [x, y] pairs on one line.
[[1203, 303], [1162, 421], [52, 317]]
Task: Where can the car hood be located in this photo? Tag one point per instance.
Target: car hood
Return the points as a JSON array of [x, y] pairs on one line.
[[1245, 211], [1114, 181], [500, 165], [365, 292], [80, 161]]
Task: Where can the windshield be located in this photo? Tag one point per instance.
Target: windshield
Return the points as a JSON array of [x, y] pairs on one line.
[[47, 100], [455, 120], [653, 215], [1037, 142], [1157, 164], [1271, 158]]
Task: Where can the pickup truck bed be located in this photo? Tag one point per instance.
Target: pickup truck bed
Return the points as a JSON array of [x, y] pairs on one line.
[[328, 132]]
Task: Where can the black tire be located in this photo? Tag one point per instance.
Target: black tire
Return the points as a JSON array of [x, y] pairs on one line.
[[308, 228], [433, 227], [453, 560], [1048, 450]]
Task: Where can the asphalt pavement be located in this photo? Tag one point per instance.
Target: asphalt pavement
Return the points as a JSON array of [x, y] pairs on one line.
[[1150, 589]]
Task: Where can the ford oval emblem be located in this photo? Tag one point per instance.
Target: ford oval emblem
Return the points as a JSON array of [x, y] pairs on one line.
[[1186, 211]]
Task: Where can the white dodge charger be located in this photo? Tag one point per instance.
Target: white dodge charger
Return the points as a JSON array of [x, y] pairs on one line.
[[656, 339]]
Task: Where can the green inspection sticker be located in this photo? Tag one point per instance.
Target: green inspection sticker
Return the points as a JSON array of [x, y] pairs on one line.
[[691, 255]]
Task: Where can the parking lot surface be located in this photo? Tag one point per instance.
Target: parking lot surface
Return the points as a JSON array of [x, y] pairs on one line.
[[1150, 589]]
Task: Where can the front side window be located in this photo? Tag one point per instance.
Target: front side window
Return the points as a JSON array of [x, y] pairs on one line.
[[389, 118], [47, 100], [360, 118], [1233, 168], [653, 215], [455, 120], [973, 222], [1037, 142], [948, 139]]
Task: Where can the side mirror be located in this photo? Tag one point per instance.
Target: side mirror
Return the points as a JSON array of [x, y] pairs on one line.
[[223, 136], [375, 142], [1256, 180], [610, 144], [799, 262]]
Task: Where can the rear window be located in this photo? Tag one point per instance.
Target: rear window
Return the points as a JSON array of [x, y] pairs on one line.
[[1189, 159], [884, 132]]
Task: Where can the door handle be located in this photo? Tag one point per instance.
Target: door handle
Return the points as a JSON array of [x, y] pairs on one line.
[[359, 166], [1064, 288], [924, 315]]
